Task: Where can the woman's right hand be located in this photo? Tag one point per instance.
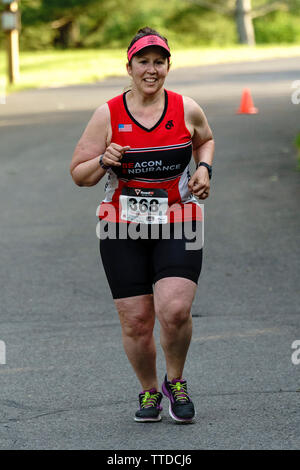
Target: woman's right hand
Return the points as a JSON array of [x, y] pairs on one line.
[[113, 154]]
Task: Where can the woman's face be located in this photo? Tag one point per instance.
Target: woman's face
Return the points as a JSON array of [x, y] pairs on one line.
[[148, 70]]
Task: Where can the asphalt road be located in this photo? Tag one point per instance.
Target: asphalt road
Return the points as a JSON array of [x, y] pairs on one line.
[[66, 383]]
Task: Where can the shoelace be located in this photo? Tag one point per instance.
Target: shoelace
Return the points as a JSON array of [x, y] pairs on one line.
[[149, 400], [180, 391]]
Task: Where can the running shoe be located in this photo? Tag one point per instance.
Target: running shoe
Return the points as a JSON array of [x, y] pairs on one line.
[[150, 407], [181, 407]]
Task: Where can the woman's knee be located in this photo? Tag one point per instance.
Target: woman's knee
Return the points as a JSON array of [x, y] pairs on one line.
[[173, 299], [174, 313], [137, 318]]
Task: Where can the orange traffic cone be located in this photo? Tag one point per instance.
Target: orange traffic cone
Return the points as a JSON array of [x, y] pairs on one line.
[[246, 105]]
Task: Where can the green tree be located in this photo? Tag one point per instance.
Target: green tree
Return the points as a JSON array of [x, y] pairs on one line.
[[244, 13], [61, 16], [109, 23]]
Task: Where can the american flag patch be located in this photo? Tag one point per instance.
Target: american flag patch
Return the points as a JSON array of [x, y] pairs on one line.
[[125, 127]]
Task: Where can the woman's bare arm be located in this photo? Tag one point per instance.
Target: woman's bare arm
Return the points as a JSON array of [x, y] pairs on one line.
[[85, 169], [203, 146]]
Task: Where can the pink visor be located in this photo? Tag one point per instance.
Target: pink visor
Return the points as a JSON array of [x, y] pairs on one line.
[[147, 41]]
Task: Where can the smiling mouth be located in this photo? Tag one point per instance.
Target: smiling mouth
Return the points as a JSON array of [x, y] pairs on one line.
[[150, 80]]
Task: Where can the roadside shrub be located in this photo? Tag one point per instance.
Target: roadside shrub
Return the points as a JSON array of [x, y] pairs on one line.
[[277, 27]]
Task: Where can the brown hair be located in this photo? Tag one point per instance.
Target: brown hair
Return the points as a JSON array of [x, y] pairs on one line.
[[146, 31]]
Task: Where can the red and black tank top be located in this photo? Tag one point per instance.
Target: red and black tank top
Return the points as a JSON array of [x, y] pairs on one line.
[[158, 159]]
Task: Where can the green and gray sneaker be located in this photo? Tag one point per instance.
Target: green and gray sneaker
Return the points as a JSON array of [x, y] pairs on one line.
[[181, 407], [150, 407]]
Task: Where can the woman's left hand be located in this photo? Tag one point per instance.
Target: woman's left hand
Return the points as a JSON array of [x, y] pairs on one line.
[[199, 183]]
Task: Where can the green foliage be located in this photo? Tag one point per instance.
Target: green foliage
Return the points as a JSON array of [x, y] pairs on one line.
[[38, 38], [45, 11], [297, 141], [113, 23], [198, 26], [120, 29], [277, 27]]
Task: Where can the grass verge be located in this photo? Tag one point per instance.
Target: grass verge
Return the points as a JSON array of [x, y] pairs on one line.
[[60, 68], [297, 143]]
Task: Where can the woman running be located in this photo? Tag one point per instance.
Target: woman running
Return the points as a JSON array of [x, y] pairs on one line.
[[143, 140]]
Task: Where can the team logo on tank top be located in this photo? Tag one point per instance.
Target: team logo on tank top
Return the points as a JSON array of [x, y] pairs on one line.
[[169, 124]]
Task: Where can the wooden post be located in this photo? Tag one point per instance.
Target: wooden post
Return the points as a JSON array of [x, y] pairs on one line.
[[10, 22], [13, 56]]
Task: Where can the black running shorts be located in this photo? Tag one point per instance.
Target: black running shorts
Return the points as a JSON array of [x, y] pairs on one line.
[[132, 266]]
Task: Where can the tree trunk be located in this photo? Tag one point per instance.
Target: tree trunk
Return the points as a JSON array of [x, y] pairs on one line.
[[244, 22], [68, 34]]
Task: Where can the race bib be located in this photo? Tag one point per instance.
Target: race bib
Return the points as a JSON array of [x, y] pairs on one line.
[[145, 206]]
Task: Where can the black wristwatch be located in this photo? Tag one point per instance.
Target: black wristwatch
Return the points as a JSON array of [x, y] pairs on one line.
[[105, 167], [209, 168]]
